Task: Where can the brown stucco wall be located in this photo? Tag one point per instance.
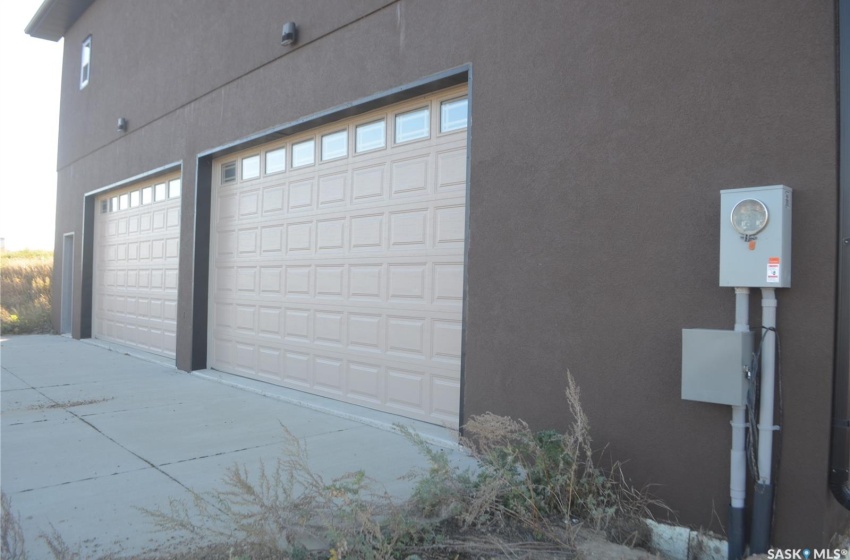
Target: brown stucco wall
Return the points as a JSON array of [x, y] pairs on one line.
[[601, 135]]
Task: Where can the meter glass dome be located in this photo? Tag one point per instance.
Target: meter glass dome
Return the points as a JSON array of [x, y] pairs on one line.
[[749, 216]]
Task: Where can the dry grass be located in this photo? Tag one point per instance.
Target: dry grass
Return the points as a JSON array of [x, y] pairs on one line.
[[12, 545], [25, 292]]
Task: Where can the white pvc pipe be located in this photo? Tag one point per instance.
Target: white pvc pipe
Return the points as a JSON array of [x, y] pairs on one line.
[[767, 382], [738, 454]]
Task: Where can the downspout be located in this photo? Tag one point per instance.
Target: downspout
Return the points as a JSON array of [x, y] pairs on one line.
[[839, 462]]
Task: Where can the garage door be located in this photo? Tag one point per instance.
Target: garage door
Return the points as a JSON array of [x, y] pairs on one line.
[[338, 257], [137, 241]]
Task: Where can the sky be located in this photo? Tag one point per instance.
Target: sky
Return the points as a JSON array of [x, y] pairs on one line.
[[30, 74]]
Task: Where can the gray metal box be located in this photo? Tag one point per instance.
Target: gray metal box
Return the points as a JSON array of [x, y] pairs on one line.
[[764, 259], [714, 365]]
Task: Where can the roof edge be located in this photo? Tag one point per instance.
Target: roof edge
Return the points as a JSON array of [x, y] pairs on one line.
[[54, 17]]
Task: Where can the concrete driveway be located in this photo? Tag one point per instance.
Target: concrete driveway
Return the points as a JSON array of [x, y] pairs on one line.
[[89, 434]]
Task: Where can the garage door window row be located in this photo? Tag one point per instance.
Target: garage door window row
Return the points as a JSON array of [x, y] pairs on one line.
[[409, 126], [141, 197]]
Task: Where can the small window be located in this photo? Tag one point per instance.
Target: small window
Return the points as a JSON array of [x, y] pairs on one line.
[[174, 186], [228, 172], [147, 195], [335, 145], [159, 192], [371, 136], [412, 125], [250, 167], [275, 161], [104, 206], [304, 153], [113, 204], [124, 201], [85, 63], [135, 199], [453, 114]]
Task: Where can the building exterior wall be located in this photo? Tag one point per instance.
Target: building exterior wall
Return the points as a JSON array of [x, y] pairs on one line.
[[600, 136]]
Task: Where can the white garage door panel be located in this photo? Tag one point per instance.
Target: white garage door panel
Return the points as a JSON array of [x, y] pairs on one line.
[[137, 241], [345, 278]]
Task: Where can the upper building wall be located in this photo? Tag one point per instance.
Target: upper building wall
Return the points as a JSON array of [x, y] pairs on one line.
[[150, 58]]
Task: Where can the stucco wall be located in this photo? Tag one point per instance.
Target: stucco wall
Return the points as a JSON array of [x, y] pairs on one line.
[[601, 135]]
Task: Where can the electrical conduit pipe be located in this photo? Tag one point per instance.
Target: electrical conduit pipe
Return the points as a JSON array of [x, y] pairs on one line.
[[763, 496], [738, 459]]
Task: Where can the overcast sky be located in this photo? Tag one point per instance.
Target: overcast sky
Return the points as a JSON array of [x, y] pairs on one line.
[[30, 72]]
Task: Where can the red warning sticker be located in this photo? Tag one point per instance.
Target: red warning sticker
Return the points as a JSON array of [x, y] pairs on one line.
[[773, 270]]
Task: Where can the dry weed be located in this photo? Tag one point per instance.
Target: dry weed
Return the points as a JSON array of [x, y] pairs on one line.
[[545, 483], [12, 537], [25, 294], [291, 505]]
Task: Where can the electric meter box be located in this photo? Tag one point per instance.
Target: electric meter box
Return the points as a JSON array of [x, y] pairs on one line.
[[755, 237], [715, 365]]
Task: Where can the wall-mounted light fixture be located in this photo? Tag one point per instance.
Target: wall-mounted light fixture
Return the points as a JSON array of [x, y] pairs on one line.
[[289, 34], [122, 124]]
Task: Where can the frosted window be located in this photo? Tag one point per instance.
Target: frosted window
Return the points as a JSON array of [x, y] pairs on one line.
[[304, 153], [275, 161], [174, 187], [371, 136], [250, 167], [412, 125], [453, 114], [335, 145]]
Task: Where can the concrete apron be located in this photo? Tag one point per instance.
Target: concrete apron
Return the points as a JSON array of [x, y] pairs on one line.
[[90, 434]]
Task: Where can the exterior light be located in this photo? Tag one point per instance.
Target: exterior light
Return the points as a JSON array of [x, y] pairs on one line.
[[122, 124], [289, 34]]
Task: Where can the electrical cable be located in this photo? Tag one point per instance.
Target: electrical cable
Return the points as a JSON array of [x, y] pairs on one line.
[[753, 395]]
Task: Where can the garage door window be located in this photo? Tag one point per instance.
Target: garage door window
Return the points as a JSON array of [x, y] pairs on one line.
[[275, 161], [412, 125], [453, 115], [174, 188], [304, 153], [250, 167], [371, 136], [159, 192], [228, 172], [335, 145]]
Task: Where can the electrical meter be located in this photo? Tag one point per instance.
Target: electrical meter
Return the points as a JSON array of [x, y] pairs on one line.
[[749, 217], [755, 237]]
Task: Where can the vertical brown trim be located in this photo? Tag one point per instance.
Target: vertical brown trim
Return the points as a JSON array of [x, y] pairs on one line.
[[201, 262], [86, 285]]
